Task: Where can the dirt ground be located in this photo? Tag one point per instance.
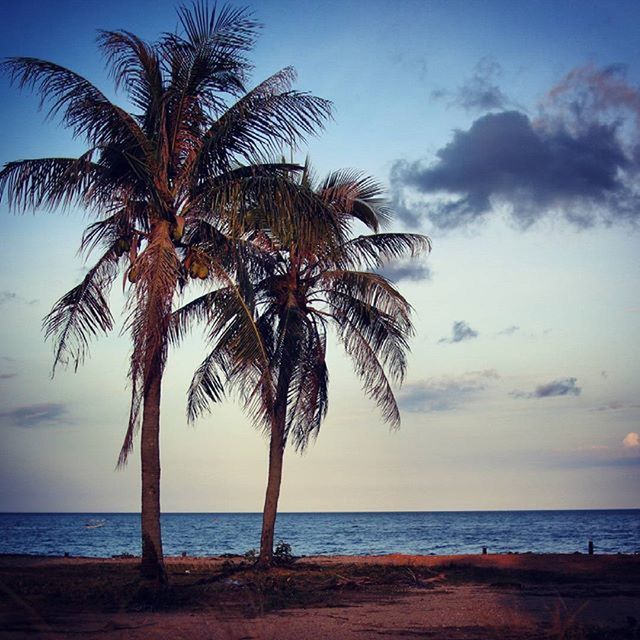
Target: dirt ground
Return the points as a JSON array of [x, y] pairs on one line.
[[506, 597]]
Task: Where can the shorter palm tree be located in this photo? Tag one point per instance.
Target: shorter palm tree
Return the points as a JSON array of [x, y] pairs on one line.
[[269, 340]]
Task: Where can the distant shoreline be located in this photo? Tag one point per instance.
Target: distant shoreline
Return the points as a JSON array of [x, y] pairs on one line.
[[392, 558]]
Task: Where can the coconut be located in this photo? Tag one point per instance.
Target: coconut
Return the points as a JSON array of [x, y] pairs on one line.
[[178, 228], [122, 246], [203, 271], [132, 276]]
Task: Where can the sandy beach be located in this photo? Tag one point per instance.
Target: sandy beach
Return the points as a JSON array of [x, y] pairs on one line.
[[524, 596]]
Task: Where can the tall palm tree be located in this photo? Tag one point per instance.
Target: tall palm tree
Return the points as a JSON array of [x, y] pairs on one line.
[[166, 181], [306, 285]]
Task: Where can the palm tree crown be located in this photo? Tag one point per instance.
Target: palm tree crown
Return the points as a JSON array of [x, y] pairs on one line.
[[305, 287]]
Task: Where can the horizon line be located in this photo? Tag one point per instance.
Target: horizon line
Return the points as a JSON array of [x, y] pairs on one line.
[[518, 510]]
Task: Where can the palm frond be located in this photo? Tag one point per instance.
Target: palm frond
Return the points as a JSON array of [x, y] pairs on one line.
[[257, 125], [357, 195], [308, 392], [231, 28], [206, 386], [376, 250], [369, 369], [206, 62], [134, 65], [370, 305], [82, 313], [133, 424], [238, 350], [372, 289], [239, 257], [127, 223], [204, 190], [51, 182], [81, 106]]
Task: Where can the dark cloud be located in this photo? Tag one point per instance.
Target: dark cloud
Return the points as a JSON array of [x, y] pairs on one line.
[[561, 387], [35, 415], [410, 217], [443, 394], [414, 271], [578, 159], [504, 159], [460, 331], [509, 331], [7, 376]]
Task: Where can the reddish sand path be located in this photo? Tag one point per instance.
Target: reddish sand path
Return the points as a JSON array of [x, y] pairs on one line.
[[449, 609]]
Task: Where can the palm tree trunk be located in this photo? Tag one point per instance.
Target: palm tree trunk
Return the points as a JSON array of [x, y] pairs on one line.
[[152, 566], [276, 455]]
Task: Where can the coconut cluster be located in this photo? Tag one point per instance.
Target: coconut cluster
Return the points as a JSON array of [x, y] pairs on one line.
[[196, 266]]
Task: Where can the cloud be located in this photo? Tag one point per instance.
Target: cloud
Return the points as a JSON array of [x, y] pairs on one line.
[[631, 440], [561, 387], [504, 160], [414, 271], [587, 460], [588, 93], [509, 331], [7, 297], [7, 376], [616, 405], [578, 161], [35, 415], [460, 331], [410, 217], [479, 92], [443, 394]]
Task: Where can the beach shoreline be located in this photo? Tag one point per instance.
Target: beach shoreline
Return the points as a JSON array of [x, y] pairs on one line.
[[391, 596]]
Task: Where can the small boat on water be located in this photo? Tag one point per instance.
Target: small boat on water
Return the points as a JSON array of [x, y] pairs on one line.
[[94, 524]]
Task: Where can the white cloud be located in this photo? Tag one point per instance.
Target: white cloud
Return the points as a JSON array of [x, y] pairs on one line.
[[631, 440]]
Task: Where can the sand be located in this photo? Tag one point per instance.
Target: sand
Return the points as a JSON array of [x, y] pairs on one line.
[[519, 596]]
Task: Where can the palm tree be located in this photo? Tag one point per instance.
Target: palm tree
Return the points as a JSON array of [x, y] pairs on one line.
[[307, 284], [167, 182]]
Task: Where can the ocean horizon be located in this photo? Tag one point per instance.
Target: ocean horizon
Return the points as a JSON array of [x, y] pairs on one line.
[[107, 534]]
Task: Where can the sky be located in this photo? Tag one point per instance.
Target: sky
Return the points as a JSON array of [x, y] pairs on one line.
[[506, 131]]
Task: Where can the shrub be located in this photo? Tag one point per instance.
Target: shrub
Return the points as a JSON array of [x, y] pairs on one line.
[[282, 553]]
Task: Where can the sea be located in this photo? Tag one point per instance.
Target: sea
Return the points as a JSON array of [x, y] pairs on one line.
[[428, 532]]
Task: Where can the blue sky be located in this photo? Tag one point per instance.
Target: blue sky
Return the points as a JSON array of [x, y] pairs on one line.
[[506, 131]]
